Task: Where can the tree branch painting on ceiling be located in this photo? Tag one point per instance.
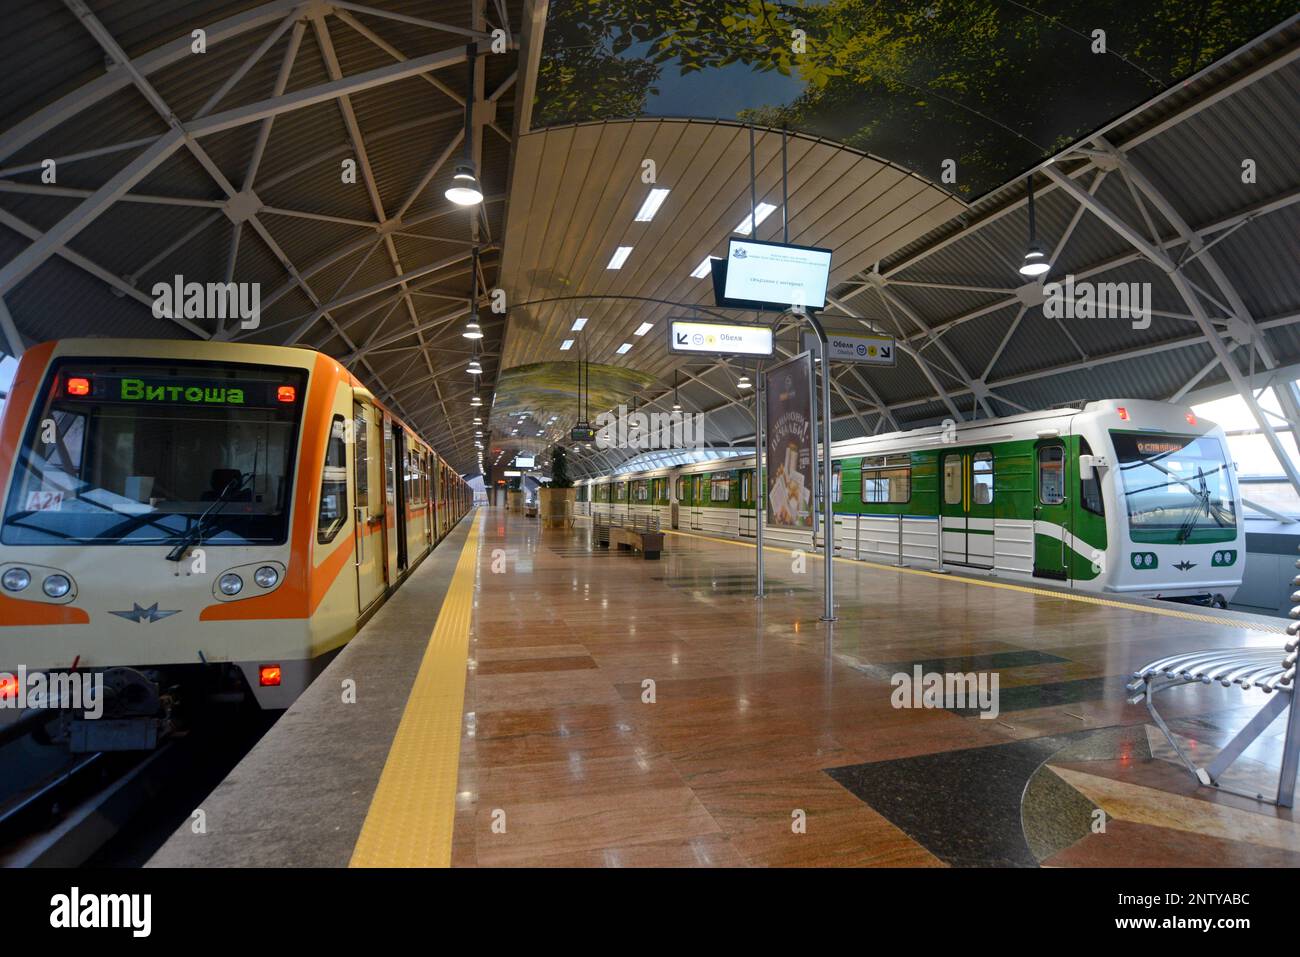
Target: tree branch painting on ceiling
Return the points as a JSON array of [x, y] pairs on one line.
[[967, 93]]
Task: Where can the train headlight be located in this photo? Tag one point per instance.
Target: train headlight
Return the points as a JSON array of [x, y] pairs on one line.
[[16, 579], [230, 584], [56, 586], [266, 577], [1223, 559]]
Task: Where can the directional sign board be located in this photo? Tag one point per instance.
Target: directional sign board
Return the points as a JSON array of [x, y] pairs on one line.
[[718, 338], [872, 350]]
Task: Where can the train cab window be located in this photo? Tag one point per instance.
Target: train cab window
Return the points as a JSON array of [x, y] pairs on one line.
[[362, 445], [982, 478], [952, 479], [333, 512], [1051, 475], [720, 487], [155, 452], [887, 480], [1090, 488]]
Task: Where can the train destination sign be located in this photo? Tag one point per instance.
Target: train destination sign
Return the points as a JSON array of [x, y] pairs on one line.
[[719, 338], [145, 390], [871, 350]]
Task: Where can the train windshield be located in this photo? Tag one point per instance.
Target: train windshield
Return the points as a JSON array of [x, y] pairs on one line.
[[1177, 487], [157, 452]]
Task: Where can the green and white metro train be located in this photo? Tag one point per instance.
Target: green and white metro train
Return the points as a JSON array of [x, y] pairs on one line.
[[1124, 496]]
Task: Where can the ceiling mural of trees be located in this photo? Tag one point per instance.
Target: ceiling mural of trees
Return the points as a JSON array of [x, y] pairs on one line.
[[995, 85]]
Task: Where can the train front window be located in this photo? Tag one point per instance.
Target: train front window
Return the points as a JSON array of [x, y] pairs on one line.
[[1176, 487], [156, 452]]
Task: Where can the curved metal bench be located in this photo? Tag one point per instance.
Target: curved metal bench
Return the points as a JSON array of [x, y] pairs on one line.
[[1245, 668]]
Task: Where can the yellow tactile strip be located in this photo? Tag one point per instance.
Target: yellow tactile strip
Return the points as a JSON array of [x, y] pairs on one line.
[[409, 823], [1028, 589]]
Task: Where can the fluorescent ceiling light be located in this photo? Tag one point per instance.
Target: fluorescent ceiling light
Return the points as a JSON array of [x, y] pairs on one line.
[[624, 348], [620, 256], [651, 205], [704, 268], [643, 328], [761, 212], [566, 345], [578, 324]]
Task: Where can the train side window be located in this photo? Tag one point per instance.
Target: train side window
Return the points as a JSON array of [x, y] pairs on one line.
[[719, 487], [952, 479], [333, 484], [362, 445], [982, 478], [1090, 489], [746, 485], [1051, 475], [887, 479]]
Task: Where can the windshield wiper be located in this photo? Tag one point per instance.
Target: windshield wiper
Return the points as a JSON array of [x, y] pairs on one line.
[[194, 534]]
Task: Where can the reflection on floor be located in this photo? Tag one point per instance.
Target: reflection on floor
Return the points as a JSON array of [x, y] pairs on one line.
[[625, 712]]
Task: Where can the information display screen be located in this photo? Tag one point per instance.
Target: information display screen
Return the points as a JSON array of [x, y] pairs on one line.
[[776, 273]]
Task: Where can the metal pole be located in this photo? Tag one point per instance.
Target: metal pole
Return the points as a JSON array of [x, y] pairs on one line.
[[753, 194], [760, 412], [828, 518]]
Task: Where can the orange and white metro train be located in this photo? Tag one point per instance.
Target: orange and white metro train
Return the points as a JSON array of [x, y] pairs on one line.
[[216, 507]]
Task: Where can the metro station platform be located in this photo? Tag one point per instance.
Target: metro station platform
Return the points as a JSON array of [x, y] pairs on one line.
[[526, 699]]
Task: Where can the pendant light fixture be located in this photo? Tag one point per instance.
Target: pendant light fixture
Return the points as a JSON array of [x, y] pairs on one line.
[[743, 382], [465, 189], [472, 328], [1036, 262], [677, 405]]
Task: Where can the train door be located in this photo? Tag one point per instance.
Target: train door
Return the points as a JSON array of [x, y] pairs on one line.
[[1051, 510], [698, 489], [402, 471], [966, 507], [369, 514]]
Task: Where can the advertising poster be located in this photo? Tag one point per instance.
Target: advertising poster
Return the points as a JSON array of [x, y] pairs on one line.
[[790, 422]]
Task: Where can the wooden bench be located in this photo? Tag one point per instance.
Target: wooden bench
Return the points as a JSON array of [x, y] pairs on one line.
[[648, 543], [1271, 670]]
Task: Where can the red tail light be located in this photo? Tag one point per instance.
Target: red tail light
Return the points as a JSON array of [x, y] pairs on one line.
[[286, 393], [8, 686], [268, 676], [1123, 413], [78, 386], [1191, 419]]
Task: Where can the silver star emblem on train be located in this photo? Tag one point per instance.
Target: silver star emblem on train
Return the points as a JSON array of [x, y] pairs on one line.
[[144, 615]]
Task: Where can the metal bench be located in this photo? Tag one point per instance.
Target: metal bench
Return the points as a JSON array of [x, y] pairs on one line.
[[1267, 669]]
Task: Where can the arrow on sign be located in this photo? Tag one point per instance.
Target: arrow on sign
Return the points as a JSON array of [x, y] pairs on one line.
[[885, 351], [681, 338]]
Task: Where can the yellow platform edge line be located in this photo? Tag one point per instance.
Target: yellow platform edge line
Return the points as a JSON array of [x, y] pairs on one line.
[[412, 812], [1027, 589]]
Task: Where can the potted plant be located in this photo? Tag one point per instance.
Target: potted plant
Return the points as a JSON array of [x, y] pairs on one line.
[[556, 498]]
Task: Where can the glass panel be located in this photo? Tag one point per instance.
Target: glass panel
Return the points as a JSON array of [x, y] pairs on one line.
[[952, 479], [982, 478], [362, 438], [720, 489], [333, 484], [1051, 475], [1175, 482], [891, 486], [143, 452], [835, 481]]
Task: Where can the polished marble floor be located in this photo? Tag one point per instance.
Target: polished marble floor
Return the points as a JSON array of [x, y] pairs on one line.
[[623, 712]]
